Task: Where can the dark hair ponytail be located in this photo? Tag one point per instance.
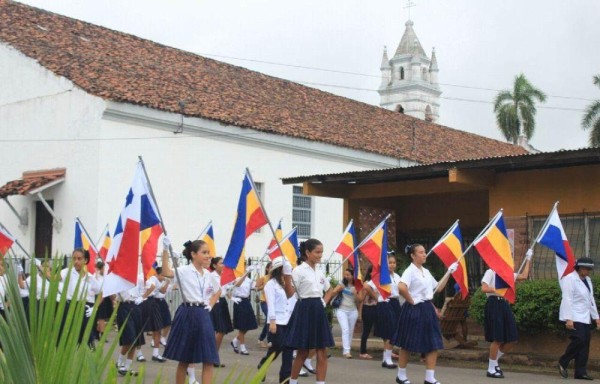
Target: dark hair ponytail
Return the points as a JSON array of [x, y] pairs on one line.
[[410, 248], [192, 247], [214, 261], [368, 273], [277, 274], [308, 245]]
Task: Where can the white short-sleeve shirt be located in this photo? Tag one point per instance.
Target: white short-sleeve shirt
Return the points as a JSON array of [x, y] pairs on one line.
[[395, 280], [152, 280], [243, 290], [489, 278], [41, 283], [421, 284], [310, 283], [88, 288], [196, 288]]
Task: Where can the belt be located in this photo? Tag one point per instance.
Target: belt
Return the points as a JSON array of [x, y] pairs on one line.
[[498, 298], [193, 304]]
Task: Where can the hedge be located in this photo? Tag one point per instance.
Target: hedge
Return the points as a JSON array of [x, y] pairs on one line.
[[536, 307]]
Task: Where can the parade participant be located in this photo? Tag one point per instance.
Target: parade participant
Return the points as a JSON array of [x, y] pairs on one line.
[[347, 313], [160, 294], [277, 318], [418, 326], [260, 284], [192, 337], [387, 318], [368, 314], [220, 316], [151, 315], [499, 321], [80, 279], [23, 288], [106, 308], [129, 320], [42, 283], [577, 309], [244, 319], [308, 327]]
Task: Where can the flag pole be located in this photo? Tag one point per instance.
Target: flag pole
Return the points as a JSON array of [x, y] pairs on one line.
[[164, 229], [102, 235], [443, 236], [87, 234], [339, 242], [539, 236], [479, 236], [359, 245], [204, 230], [270, 225]]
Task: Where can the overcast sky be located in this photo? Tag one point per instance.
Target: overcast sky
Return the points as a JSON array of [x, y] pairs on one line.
[[481, 44]]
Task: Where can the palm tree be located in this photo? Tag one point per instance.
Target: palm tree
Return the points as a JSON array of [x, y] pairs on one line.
[[591, 119], [516, 109]]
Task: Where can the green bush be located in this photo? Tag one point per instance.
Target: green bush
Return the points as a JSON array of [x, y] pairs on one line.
[[536, 307]]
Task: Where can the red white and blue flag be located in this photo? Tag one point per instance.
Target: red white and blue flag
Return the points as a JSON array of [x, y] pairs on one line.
[[553, 236], [136, 232], [83, 241]]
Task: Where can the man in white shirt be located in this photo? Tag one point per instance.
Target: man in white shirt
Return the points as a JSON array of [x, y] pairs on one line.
[[577, 309]]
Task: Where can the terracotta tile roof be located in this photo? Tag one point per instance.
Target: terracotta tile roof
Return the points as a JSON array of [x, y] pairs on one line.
[[121, 67], [31, 180]]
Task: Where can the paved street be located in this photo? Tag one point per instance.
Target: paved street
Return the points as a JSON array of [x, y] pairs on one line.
[[343, 371]]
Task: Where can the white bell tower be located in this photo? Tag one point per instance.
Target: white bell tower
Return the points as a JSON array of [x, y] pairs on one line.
[[409, 80]]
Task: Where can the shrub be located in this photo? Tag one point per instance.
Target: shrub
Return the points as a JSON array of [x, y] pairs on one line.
[[536, 307]]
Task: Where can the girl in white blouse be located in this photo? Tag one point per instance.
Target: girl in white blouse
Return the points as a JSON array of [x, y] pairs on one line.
[[308, 327], [418, 326], [192, 336]]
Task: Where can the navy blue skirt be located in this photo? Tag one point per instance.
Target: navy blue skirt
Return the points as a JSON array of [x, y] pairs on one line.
[[105, 309], [308, 327], [192, 337], [243, 316], [418, 329], [500, 324], [129, 317], [151, 315], [220, 317], [165, 312], [386, 322], [396, 307]]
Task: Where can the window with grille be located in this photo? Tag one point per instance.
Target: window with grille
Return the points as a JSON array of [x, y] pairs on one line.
[[302, 213], [583, 233]]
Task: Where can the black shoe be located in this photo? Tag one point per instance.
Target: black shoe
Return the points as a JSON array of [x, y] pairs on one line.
[[496, 375], [584, 377], [388, 366], [141, 358], [123, 372], [303, 374], [235, 349], [429, 382], [313, 371], [219, 365], [159, 358], [402, 381], [244, 352], [563, 372]]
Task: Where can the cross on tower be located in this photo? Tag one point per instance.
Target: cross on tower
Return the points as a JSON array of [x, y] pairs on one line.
[[409, 4]]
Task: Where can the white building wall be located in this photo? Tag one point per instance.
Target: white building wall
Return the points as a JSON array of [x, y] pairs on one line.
[[43, 120], [47, 122]]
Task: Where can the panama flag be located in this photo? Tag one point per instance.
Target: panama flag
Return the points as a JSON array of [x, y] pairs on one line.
[[553, 236], [494, 247], [122, 257], [103, 251], [374, 247], [278, 237], [150, 230], [6, 241], [250, 218], [209, 238], [289, 246], [449, 249], [83, 241], [347, 248]]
